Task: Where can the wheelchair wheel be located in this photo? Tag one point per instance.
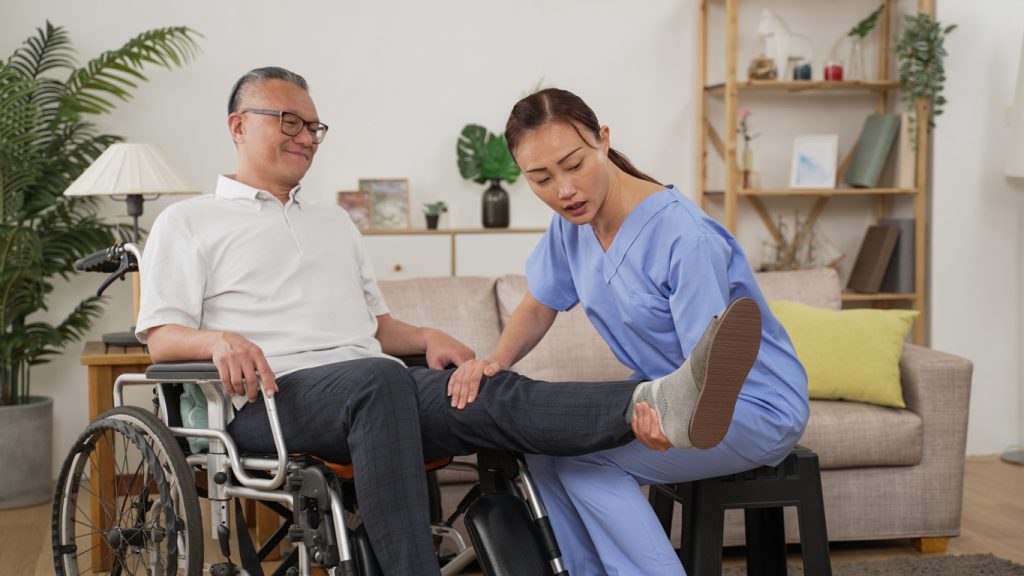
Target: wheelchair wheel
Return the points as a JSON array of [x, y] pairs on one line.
[[146, 520]]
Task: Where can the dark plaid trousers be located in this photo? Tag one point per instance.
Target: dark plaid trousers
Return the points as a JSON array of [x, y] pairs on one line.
[[387, 419]]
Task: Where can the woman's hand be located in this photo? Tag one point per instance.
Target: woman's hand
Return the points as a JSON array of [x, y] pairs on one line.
[[465, 381], [647, 428]]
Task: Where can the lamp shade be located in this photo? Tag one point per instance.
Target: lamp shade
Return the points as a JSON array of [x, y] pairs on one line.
[[125, 169], [1015, 144]]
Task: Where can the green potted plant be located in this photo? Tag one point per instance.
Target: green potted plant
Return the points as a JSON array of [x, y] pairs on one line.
[[484, 157], [46, 141], [432, 211], [920, 51]]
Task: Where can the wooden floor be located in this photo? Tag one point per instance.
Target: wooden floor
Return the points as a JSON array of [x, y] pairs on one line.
[[993, 522]]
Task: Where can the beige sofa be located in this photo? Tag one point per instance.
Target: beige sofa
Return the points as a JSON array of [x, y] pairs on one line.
[[886, 473]]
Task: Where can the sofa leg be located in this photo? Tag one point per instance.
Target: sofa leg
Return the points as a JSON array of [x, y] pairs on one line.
[[930, 545]]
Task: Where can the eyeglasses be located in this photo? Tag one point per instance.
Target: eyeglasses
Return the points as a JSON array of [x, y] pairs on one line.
[[292, 124]]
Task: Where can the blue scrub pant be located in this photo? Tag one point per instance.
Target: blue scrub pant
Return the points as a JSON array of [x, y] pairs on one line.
[[604, 523]]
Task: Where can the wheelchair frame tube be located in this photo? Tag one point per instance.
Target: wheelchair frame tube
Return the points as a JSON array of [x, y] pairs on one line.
[[215, 394], [540, 514]]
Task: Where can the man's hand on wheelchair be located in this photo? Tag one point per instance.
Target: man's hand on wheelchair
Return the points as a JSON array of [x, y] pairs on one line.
[[242, 367], [465, 381]]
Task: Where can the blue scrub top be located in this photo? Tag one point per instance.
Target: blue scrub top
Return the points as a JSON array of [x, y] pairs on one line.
[[669, 270]]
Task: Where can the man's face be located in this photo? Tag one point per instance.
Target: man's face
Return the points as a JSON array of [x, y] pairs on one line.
[[268, 158]]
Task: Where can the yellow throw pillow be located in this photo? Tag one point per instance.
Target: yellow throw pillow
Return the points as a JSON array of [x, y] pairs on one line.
[[848, 354]]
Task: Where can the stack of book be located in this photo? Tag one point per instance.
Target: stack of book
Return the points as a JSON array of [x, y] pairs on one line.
[[885, 261]]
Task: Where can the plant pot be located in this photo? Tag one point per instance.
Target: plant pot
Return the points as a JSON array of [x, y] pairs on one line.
[[495, 206], [26, 442], [432, 221]]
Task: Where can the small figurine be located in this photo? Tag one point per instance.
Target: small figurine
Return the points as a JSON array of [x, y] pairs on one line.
[[778, 42]]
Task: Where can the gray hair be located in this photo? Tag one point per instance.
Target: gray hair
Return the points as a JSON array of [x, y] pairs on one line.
[[258, 75]]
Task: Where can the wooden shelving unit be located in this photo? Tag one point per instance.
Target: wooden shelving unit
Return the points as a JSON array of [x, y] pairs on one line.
[[726, 148]]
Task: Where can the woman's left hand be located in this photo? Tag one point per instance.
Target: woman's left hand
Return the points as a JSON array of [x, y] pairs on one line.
[[647, 428]]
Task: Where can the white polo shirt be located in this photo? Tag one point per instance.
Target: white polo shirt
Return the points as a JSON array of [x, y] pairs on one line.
[[293, 278]]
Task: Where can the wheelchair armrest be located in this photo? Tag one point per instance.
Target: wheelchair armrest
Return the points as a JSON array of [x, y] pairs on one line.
[[414, 360], [419, 360], [183, 371], [191, 371]]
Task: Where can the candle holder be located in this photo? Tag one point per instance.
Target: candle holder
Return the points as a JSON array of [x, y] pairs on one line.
[[833, 70]]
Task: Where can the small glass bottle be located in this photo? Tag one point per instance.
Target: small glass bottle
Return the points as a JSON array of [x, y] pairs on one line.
[[855, 63]]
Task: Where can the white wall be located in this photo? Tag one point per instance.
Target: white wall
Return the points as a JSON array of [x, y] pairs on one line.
[[397, 79], [976, 271]]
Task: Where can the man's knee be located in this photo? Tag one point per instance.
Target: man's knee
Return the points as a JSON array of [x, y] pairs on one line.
[[387, 380]]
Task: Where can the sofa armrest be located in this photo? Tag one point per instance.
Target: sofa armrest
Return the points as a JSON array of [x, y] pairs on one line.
[[937, 387]]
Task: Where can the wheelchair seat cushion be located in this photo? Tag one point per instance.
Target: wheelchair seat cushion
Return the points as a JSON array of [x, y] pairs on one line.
[[194, 415]]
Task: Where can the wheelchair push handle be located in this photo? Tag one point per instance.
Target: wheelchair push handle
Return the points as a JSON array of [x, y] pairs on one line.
[[118, 260]]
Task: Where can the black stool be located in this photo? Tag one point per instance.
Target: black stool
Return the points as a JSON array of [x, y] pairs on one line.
[[762, 493]]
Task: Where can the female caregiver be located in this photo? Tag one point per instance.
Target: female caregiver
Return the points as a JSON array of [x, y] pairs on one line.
[[651, 270]]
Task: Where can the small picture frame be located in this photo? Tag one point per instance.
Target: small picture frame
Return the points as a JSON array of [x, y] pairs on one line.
[[814, 161], [389, 201], [357, 204]]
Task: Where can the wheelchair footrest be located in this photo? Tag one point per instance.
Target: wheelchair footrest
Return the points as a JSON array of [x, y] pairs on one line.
[[504, 537]]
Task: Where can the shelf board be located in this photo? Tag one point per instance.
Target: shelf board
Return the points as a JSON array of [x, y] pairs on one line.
[[880, 297], [824, 191], [808, 86], [815, 191], [449, 231]]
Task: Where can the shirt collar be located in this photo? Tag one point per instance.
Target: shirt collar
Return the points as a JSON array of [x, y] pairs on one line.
[[633, 225], [230, 189]]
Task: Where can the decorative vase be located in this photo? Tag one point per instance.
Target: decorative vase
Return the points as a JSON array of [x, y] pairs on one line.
[[26, 438], [855, 63], [432, 221], [746, 165], [495, 206]]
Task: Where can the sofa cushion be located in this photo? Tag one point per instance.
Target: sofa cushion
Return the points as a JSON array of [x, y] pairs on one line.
[[572, 350], [463, 307], [848, 354], [818, 287], [856, 435]]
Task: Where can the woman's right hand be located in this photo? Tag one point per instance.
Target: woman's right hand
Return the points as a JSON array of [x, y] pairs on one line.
[[465, 381]]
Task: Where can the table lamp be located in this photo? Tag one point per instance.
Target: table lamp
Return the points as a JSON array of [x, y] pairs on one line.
[[131, 171]]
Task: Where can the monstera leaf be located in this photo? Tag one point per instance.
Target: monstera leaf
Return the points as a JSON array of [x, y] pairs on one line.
[[483, 156]]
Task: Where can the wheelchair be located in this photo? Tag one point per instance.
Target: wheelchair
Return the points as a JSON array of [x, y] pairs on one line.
[[127, 496]]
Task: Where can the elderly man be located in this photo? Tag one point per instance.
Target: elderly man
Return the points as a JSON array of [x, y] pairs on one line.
[[276, 289]]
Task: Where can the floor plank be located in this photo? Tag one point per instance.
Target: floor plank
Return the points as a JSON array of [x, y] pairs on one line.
[[993, 522]]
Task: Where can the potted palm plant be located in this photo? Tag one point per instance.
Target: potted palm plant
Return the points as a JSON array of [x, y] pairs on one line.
[[484, 157], [46, 141]]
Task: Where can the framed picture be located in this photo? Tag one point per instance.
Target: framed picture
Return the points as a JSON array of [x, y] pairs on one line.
[[814, 161], [357, 204], [389, 202]]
